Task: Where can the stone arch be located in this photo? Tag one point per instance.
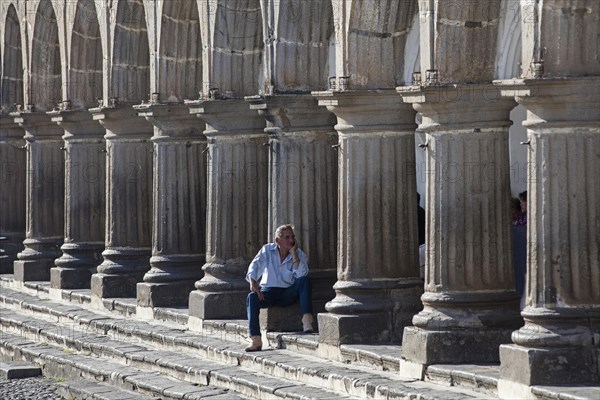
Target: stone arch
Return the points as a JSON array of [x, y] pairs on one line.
[[302, 45], [180, 51], [12, 67], [376, 36], [130, 73], [46, 77], [238, 47], [85, 72]]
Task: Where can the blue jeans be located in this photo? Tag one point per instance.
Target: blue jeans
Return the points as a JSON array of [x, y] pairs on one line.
[[281, 297]]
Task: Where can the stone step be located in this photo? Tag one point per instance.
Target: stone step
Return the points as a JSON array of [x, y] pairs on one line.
[[88, 390], [134, 338], [60, 363]]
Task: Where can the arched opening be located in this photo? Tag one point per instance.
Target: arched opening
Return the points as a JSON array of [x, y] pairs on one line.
[[180, 64], [377, 35], [302, 53], [12, 67], [238, 47], [130, 78], [85, 83], [46, 78]]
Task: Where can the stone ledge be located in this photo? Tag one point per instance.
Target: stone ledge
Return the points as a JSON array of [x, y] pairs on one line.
[[18, 370]]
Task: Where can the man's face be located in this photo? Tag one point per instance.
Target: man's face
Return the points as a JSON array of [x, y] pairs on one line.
[[287, 240]]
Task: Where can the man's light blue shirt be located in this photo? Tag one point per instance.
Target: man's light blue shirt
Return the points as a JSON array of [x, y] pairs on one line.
[[272, 272]]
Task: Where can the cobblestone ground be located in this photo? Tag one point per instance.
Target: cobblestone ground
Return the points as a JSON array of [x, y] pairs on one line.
[[28, 389]]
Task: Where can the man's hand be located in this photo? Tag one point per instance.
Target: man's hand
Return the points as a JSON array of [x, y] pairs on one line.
[[254, 287], [295, 258]]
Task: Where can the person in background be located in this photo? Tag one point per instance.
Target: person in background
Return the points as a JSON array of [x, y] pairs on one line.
[[421, 225], [519, 235], [278, 277]]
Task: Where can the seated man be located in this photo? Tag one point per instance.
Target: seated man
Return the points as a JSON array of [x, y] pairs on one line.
[[282, 269]]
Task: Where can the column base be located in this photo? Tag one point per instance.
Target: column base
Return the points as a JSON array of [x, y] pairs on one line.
[[71, 278], [337, 329], [110, 286], [455, 346], [536, 366], [218, 305], [32, 270], [171, 294]]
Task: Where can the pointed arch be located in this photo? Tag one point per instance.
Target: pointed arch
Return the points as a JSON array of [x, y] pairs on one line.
[[377, 33], [180, 51], [130, 74], [46, 76], [12, 59], [85, 73], [238, 47], [302, 45]]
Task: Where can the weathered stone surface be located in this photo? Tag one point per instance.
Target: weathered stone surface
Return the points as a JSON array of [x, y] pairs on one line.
[[236, 206], [378, 273], [179, 206], [19, 370], [45, 197], [85, 170]]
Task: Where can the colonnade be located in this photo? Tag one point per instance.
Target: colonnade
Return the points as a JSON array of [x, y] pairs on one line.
[[167, 197]]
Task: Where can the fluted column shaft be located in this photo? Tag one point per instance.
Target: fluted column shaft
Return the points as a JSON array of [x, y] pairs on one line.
[[179, 206], [378, 286], [44, 198], [303, 185], [13, 161], [85, 169], [236, 206], [128, 203], [469, 283], [562, 313]]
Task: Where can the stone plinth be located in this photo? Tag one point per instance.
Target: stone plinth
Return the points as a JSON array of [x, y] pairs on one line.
[[303, 185], [85, 170], [469, 281], [179, 206], [44, 198], [128, 203], [13, 162], [236, 206], [559, 341], [378, 286]]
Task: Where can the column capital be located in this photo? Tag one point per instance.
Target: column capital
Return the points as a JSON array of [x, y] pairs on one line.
[[37, 126], [77, 124], [121, 122], [459, 107], [227, 117], [363, 111], [292, 113], [559, 102], [171, 120]]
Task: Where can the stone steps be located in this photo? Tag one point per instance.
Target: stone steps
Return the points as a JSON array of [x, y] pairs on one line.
[[204, 358], [88, 390]]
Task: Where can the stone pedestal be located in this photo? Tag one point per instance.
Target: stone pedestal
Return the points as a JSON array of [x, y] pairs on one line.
[[13, 167], [85, 168], [236, 206], [44, 198], [469, 281], [128, 203], [303, 185], [559, 341], [378, 286], [179, 206]]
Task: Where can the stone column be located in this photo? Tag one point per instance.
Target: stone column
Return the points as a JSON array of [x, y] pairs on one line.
[[236, 225], [302, 190], [179, 207], [378, 286], [128, 203], [13, 162], [469, 281], [84, 200], [44, 198], [559, 341]]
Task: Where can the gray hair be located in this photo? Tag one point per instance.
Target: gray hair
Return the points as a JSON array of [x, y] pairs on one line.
[[279, 231]]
